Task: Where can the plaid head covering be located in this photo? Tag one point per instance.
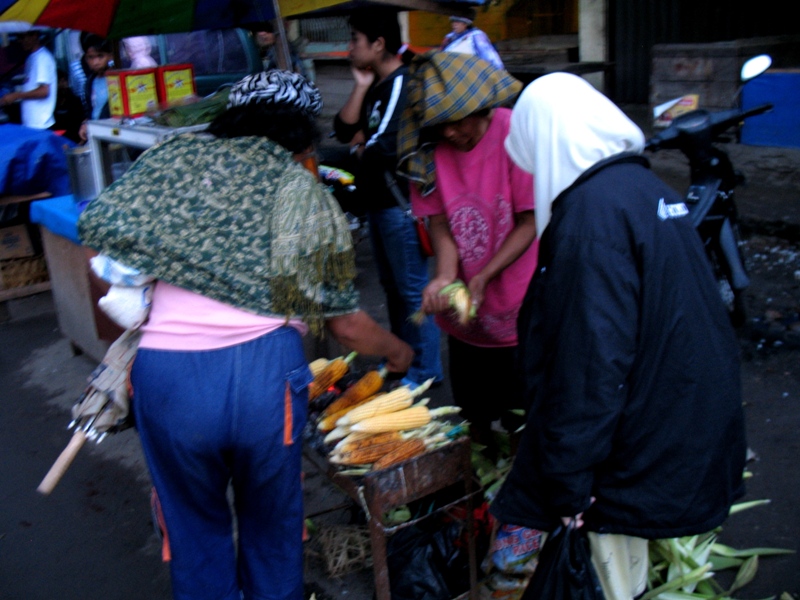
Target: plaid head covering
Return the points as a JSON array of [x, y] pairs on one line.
[[278, 87], [444, 87]]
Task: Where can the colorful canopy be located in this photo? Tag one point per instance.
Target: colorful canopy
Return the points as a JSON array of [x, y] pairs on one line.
[[122, 18]]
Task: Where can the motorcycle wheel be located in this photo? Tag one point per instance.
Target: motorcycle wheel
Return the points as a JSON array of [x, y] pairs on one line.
[[733, 299]]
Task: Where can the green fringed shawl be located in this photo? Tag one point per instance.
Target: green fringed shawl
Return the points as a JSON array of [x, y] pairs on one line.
[[236, 220]]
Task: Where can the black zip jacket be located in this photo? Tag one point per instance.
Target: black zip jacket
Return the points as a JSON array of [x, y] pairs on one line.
[[380, 118], [631, 366]]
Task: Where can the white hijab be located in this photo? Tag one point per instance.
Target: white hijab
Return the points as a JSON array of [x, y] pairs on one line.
[[561, 126]]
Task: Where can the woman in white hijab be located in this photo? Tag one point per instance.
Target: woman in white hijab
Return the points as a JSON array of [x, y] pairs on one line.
[[626, 352], [560, 127]]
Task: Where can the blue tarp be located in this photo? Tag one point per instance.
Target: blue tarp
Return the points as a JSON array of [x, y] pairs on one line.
[[58, 215], [32, 161]]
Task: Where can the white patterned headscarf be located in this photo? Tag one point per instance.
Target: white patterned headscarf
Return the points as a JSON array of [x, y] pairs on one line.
[[278, 87], [560, 127]]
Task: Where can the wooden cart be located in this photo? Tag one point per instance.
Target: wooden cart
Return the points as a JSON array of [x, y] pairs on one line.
[[379, 492]]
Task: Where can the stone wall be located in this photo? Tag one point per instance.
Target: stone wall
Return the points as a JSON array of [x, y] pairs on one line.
[[712, 70]]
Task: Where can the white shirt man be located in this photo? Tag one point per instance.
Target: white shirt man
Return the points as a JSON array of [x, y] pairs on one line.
[[37, 94]]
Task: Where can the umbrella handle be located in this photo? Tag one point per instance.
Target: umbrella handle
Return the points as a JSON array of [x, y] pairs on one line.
[[62, 463]]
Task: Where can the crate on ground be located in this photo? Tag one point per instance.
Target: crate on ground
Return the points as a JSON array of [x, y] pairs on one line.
[[23, 272]]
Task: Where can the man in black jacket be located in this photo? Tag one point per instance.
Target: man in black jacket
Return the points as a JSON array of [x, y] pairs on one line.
[[368, 122], [627, 353]]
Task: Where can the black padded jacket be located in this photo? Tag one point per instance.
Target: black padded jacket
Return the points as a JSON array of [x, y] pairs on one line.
[[631, 367]]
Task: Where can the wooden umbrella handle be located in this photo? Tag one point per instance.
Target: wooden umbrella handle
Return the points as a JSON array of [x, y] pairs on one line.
[[62, 463]]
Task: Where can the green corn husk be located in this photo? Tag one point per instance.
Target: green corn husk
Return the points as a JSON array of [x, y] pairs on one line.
[[460, 301], [683, 568], [203, 111]]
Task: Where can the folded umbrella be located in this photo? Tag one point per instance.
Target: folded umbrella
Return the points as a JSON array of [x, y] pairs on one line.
[[104, 407]]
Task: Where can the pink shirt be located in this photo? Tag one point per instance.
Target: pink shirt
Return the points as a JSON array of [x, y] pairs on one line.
[[182, 320], [480, 191]]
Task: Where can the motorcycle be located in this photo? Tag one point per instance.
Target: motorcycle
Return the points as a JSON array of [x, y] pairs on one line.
[[713, 179]]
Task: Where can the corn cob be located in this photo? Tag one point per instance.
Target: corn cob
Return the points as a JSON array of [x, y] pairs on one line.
[[336, 434], [406, 450], [409, 418], [402, 397], [365, 387], [431, 431], [460, 301], [366, 456], [328, 422], [357, 440], [332, 373], [318, 365], [353, 436]]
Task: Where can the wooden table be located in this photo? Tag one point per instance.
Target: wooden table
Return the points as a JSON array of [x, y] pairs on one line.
[[74, 293], [379, 492]]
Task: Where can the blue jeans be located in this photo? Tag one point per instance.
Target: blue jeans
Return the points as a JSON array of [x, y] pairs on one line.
[[403, 272], [234, 416]]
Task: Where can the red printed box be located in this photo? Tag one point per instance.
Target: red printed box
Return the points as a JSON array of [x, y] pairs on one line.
[[132, 93], [175, 82]]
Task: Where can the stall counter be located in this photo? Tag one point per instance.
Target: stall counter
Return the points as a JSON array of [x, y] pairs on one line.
[[75, 293]]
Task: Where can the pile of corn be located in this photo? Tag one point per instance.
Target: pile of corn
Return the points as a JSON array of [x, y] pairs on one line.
[[367, 429]]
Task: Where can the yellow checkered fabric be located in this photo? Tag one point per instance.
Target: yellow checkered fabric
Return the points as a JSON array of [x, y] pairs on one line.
[[445, 87]]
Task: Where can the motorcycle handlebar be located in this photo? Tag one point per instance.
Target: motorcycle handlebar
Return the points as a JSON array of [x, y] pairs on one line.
[[700, 125]]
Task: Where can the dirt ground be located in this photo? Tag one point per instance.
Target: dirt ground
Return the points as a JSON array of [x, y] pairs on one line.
[[771, 391]]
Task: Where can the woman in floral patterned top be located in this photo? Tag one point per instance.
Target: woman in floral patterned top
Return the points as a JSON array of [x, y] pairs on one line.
[[250, 252]]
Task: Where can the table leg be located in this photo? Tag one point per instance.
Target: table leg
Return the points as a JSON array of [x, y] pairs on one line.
[[379, 566]]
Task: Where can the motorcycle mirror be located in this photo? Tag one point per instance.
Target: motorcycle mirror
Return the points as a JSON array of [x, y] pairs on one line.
[[755, 66]]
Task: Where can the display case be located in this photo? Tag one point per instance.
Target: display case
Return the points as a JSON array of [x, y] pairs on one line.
[[107, 136]]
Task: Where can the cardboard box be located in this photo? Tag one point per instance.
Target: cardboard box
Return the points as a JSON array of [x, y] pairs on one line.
[[665, 113], [132, 93], [15, 242], [175, 82]]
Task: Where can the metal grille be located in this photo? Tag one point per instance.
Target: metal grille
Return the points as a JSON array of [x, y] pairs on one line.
[[326, 29]]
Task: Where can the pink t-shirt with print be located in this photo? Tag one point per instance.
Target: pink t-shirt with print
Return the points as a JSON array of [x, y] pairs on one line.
[[480, 191]]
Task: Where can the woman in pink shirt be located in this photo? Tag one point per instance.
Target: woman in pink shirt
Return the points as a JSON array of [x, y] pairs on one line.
[[480, 210]]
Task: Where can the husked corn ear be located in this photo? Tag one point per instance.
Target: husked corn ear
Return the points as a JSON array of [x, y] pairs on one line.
[[362, 389], [318, 365], [336, 434], [406, 450], [332, 373], [409, 418], [328, 422], [358, 440], [402, 397], [460, 301], [365, 456]]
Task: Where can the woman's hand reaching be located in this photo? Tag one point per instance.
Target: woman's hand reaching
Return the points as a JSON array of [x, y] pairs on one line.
[[577, 519], [432, 300], [477, 289]]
